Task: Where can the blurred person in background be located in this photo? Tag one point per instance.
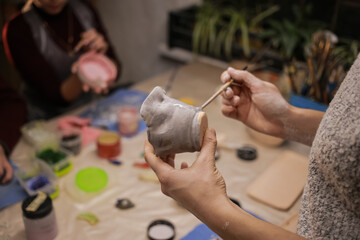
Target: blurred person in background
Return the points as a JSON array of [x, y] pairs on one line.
[[44, 42], [13, 116]]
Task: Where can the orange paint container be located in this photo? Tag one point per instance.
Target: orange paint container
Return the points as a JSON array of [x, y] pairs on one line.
[[108, 145]]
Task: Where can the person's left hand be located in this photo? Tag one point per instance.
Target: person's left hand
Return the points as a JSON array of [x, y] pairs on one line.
[[194, 187], [92, 40], [5, 166]]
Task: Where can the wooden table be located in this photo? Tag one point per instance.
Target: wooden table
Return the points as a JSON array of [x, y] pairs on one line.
[[196, 81]]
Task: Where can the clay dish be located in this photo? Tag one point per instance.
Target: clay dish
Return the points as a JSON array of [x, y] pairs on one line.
[[96, 69]]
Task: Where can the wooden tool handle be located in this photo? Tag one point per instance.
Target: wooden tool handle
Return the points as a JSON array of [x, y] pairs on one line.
[[223, 87]]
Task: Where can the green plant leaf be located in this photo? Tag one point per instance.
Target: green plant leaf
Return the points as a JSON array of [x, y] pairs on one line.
[[268, 33], [261, 16], [220, 41], [277, 25], [196, 36], [228, 41], [245, 38]]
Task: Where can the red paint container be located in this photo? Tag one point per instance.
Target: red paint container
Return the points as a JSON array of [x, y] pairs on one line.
[[108, 145]]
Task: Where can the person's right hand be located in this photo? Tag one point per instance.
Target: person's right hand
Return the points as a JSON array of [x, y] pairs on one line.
[[92, 40], [5, 166], [256, 103]]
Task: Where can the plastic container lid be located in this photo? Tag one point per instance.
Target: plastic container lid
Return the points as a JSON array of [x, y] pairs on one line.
[[91, 179], [43, 210]]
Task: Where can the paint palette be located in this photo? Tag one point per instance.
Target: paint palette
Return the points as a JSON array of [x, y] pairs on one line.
[[58, 160], [41, 178], [39, 136]]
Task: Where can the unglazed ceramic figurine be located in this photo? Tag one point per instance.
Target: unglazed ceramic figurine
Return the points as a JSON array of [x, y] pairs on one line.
[[173, 126]]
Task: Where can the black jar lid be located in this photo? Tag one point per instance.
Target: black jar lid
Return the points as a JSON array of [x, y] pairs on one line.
[[43, 210], [157, 235], [247, 153]]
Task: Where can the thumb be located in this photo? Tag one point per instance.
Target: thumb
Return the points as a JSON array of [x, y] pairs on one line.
[[208, 148]]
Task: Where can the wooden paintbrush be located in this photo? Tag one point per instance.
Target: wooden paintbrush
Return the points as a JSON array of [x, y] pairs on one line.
[[222, 88]]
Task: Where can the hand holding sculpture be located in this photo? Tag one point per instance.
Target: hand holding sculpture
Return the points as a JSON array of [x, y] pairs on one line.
[[173, 126]]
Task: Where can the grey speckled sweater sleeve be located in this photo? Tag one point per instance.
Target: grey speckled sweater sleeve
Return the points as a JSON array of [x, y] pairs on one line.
[[331, 200]]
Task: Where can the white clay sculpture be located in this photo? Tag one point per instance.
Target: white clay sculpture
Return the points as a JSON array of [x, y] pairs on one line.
[[173, 126]]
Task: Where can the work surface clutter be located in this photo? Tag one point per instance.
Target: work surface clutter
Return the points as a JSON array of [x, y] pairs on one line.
[[83, 175]]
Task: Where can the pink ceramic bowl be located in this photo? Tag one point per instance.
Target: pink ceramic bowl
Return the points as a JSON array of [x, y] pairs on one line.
[[96, 69]]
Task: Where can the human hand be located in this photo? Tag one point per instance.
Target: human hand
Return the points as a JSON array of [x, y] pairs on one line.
[[92, 40], [192, 186], [5, 167], [256, 103], [72, 125]]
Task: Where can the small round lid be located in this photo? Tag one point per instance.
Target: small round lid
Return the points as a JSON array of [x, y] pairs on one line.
[[43, 210], [108, 138], [247, 153], [161, 230], [91, 179]]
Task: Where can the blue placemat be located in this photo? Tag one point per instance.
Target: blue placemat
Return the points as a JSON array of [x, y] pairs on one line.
[[202, 232], [12, 192], [104, 112], [304, 102]]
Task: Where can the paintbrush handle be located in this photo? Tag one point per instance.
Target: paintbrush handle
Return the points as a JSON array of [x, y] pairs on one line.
[[223, 87]]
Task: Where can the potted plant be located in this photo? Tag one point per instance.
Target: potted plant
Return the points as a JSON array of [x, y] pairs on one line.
[[346, 52], [218, 28], [328, 60], [289, 38]]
